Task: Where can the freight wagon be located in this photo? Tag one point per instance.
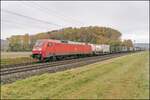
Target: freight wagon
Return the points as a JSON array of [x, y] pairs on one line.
[[100, 49], [124, 49], [115, 49]]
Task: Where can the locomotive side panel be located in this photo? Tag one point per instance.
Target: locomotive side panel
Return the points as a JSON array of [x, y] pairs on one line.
[[71, 49]]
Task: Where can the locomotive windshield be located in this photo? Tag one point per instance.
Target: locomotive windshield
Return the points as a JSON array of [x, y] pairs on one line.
[[39, 43]]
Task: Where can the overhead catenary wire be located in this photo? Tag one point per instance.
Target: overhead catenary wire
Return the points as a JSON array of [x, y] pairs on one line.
[[21, 24], [41, 9], [31, 18], [18, 24], [19, 27], [64, 17]]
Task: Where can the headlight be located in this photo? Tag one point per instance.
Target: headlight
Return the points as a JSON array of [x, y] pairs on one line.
[[39, 49]]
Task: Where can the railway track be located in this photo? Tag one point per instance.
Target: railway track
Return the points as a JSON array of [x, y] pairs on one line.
[[16, 65], [19, 72], [5, 71], [28, 63]]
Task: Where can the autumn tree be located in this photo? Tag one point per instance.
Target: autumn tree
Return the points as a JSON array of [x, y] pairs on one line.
[[91, 34], [127, 43], [26, 42]]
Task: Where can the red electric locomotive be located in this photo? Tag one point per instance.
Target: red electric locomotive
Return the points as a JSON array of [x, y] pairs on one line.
[[47, 49]]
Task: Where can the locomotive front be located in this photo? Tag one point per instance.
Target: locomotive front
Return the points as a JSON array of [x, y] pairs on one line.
[[38, 50]]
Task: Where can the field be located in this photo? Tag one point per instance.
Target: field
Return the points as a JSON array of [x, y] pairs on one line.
[[15, 57], [5, 55], [124, 77]]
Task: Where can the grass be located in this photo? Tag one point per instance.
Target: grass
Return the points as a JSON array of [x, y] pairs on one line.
[[8, 58], [10, 61], [125, 77]]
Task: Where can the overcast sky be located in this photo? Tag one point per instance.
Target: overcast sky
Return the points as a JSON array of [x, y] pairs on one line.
[[131, 18]]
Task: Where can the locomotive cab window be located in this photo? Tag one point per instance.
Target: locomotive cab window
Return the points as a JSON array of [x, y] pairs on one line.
[[39, 43]]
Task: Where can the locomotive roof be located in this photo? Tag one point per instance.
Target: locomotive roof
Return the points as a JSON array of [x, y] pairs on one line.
[[62, 41]]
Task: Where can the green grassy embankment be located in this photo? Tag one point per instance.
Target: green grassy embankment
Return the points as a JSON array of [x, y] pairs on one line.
[[8, 58], [123, 77]]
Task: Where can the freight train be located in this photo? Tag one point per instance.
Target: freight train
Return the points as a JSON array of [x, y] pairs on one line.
[[47, 49]]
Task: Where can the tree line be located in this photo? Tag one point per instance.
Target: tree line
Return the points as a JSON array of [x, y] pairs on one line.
[[91, 34]]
